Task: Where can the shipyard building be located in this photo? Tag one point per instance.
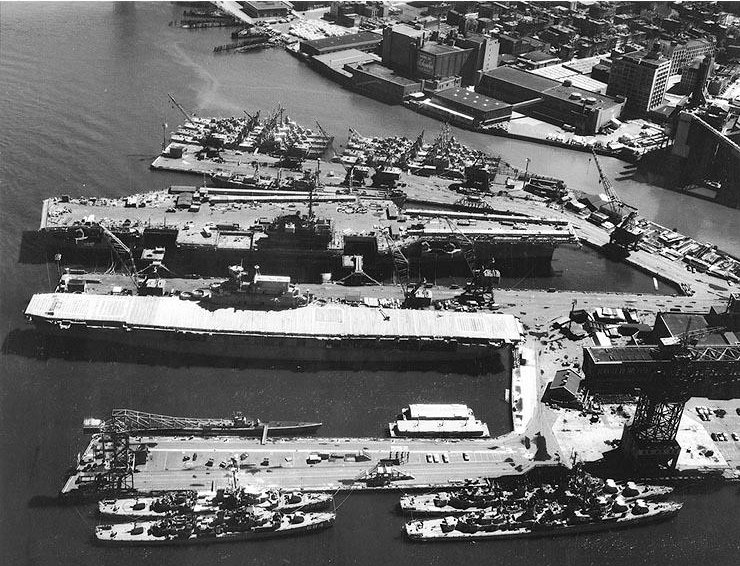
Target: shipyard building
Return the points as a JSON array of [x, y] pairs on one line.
[[714, 336], [550, 100]]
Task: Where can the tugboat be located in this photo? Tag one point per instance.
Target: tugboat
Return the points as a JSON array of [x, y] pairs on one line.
[[224, 526], [270, 292], [205, 502]]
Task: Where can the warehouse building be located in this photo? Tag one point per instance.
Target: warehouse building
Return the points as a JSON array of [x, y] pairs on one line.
[[363, 41], [380, 82], [550, 100], [265, 9], [467, 108]]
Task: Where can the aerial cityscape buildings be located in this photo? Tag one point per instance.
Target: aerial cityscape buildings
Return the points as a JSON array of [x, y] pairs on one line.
[[476, 260]]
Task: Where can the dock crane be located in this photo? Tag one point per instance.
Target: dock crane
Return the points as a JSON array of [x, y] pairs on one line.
[[649, 442], [627, 234], [401, 268], [483, 279], [614, 202], [177, 105], [122, 253]]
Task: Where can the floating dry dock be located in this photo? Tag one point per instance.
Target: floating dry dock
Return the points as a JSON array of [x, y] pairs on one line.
[[335, 333]]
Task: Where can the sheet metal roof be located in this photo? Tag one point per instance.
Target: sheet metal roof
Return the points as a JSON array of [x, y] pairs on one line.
[[328, 321], [439, 411]]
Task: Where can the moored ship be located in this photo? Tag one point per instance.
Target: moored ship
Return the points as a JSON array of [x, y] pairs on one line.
[[165, 425], [480, 499], [438, 421], [330, 333], [204, 502], [272, 292], [550, 521], [230, 526]]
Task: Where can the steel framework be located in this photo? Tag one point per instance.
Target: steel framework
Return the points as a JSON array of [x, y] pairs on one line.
[[650, 441]]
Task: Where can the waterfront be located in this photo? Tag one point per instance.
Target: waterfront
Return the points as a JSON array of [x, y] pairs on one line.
[[82, 102]]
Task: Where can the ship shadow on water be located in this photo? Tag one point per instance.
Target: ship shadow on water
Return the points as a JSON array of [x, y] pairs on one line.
[[32, 344]]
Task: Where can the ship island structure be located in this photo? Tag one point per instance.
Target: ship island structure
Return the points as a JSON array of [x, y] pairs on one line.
[[353, 261]]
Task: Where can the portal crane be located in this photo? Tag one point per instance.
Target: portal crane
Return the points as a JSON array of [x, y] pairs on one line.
[[401, 268], [614, 201], [122, 253], [483, 279], [650, 441], [180, 108]]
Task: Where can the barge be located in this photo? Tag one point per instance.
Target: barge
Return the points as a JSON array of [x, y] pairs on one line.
[[438, 421]]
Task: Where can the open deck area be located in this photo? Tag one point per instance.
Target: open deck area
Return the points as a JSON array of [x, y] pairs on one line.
[[199, 463]]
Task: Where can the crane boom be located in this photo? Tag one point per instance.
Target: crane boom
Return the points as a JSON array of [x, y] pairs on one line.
[[611, 194], [122, 253], [180, 108]]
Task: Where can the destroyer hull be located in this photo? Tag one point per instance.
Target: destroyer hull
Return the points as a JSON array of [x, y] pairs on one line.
[[434, 533], [424, 504], [123, 537], [124, 509]]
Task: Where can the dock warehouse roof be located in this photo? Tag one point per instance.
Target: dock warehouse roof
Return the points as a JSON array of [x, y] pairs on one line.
[[472, 100], [169, 313], [362, 40]]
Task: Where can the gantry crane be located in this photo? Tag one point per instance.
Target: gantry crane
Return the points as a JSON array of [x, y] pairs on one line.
[[649, 441]]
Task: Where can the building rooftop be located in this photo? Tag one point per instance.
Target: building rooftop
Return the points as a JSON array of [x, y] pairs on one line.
[[345, 56], [259, 5], [646, 59], [622, 354], [410, 31], [471, 99], [538, 56], [381, 71], [566, 379], [439, 48], [348, 40], [578, 96], [522, 78]]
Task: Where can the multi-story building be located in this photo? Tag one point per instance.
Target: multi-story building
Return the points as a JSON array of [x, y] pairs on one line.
[[682, 54], [484, 56], [642, 78], [401, 44], [439, 60]]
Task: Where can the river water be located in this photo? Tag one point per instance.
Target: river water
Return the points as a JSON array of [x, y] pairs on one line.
[[82, 98]]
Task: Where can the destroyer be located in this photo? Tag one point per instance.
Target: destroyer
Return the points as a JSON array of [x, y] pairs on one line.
[[549, 520], [222, 527], [205, 502], [480, 499]]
